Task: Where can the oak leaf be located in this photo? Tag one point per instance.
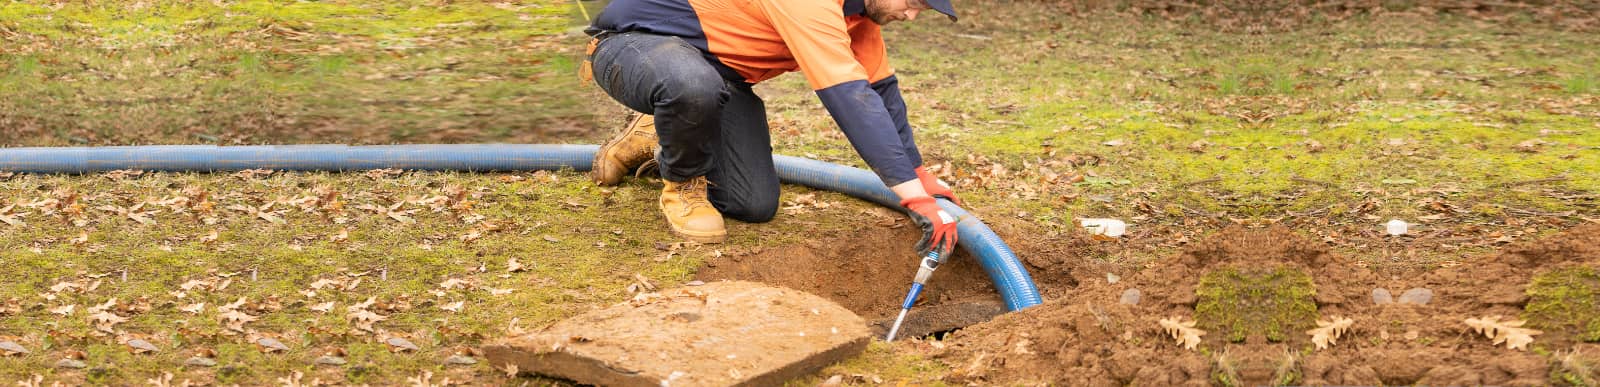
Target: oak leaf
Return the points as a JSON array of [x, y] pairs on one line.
[[1327, 332], [1509, 332], [1184, 332]]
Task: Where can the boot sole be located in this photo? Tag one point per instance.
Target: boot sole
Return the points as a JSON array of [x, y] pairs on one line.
[[700, 236]]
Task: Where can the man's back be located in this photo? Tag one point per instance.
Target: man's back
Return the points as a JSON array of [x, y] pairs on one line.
[[831, 40]]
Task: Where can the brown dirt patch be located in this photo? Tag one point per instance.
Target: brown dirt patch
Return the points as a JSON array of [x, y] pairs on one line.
[[868, 271], [1086, 337]]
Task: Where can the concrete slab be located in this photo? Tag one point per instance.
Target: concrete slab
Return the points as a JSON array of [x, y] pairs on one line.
[[719, 334]]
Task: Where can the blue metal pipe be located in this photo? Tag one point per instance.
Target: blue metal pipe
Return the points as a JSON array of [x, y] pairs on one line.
[[1005, 270]]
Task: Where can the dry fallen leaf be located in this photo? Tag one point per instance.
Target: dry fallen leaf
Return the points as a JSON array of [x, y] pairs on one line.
[[64, 310], [105, 320], [194, 308], [1509, 332], [455, 283], [512, 266], [454, 306], [400, 344], [1327, 332], [235, 319], [499, 292], [323, 307], [1187, 335]]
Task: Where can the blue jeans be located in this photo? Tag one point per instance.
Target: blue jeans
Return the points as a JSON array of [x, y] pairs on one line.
[[707, 125]]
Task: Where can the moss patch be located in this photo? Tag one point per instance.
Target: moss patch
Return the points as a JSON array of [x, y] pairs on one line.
[[1245, 303], [1566, 301]]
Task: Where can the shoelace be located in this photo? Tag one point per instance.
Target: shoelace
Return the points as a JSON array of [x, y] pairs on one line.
[[694, 193]]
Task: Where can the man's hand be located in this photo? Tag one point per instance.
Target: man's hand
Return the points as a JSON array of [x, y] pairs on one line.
[[938, 227], [936, 187]]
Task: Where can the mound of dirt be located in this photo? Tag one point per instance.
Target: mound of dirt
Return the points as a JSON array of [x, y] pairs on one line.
[[1088, 337]]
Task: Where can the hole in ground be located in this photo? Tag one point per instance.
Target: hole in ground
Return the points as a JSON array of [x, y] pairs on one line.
[[867, 271]]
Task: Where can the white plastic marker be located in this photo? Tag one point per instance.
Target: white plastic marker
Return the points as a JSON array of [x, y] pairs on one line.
[[929, 263], [1104, 228], [1396, 227]]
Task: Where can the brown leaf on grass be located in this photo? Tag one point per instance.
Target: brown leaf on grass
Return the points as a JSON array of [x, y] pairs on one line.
[[363, 319], [210, 237], [340, 237], [66, 285], [383, 173], [1327, 332], [400, 344], [194, 308], [454, 307], [264, 212], [512, 266], [136, 212], [64, 310], [455, 283], [10, 217], [323, 283], [233, 305], [1531, 146], [250, 174], [105, 320], [1184, 332], [1509, 332], [323, 307], [235, 320], [123, 174], [269, 345], [500, 292], [141, 346]]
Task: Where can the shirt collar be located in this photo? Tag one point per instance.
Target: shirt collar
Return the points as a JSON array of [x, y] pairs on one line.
[[855, 7]]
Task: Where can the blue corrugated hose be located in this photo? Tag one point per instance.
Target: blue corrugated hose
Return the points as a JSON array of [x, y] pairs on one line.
[[1012, 280]]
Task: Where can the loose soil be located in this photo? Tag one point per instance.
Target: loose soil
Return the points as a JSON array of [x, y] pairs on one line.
[[868, 271], [1086, 337], [1083, 335]]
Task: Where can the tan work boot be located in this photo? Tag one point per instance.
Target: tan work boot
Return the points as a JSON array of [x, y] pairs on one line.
[[689, 212], [631, 149]]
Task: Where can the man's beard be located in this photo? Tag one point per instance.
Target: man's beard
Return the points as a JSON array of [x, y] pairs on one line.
[[878, 16]]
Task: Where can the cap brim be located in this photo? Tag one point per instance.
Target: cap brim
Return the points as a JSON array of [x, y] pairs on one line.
[[943, 6]]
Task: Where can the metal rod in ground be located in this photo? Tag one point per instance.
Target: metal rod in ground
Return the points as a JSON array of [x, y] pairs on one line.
[[911, 298], [896, 326]]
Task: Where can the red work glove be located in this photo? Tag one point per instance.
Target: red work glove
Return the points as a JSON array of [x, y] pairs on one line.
[[936, 187], [938, 227]]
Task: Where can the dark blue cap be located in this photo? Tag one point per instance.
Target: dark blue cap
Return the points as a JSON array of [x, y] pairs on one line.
[[943, 6]]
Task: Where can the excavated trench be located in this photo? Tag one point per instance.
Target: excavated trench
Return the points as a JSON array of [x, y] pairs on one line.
[[1255, 292], [868, 272]]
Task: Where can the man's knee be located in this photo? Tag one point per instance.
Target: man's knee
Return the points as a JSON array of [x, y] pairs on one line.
[[692, 94], [752, 211]]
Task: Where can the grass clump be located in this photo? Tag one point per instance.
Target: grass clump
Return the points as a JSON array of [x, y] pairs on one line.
[[1245, 303], [1566, 300]]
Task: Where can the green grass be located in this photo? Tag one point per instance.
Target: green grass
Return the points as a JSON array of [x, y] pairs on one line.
[[1256, 302], [1564, 302]]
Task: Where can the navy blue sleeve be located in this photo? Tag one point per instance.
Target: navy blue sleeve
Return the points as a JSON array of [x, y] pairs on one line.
[[865, 119], [889, 90]]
